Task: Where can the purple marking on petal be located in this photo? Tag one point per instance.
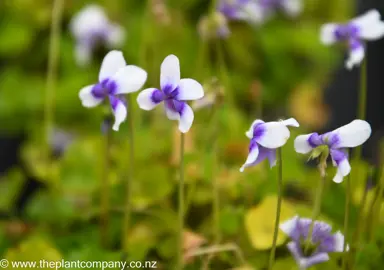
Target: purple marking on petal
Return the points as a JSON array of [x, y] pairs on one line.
[[175, 105], [263, 153], [315, 140], [258, 130], [168, 88], [331, 139], [157, 96], [104, 88], [114, 101], [355, 44], [346, 31], [98, 91], [338, 155]]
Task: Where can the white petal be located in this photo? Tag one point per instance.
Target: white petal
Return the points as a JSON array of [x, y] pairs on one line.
[[291, 122], [120, 113], [252, 156], [338, 178], [327, 33], [171, 114], [344, 167], [275, 135], [129, 79], [82, 55], [170, 71], [302, 145], [92, 18], [190, 89], [292, 7], [369, 24], [112, 63], [356, 56], [186, 118], [116, 36], [86, 97], [353, 134], [289, 226], [253, 12], [144, 99], [249, 132], [339, 242]]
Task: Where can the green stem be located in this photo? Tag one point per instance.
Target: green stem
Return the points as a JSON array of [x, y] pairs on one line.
[[127, 209], [215, 187], [346, 220], [53, 60], [222, 67], [316, 210], [363, 90], [278, 209], [181, 204], [104, 190]]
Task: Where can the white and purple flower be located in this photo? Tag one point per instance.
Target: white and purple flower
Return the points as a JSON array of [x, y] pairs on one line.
[[116, 78], [322, 241], [173, 92], [257, 11], [336, 143], [91, 27], [265, 138], [365, 27]]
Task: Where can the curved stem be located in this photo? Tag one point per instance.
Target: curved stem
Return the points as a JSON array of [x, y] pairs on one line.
[[127, 209], [53, 60], [181, 204], [278, 208], [346, 220]]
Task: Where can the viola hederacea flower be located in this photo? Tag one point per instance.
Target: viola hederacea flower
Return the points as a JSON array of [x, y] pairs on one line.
[[173, 92], [91, 27], [265, 139], [335, 144], [366, 27], [257, 11], [116, 78], [321, 241]]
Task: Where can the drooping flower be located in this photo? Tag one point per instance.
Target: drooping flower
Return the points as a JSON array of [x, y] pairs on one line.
[[321, 241], [335, 143], [365, 27], [265, 138], [90, 27], [173, 92], [257, 11], [116, 78]]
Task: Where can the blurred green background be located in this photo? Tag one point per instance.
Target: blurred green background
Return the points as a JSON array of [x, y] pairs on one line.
[[276, 70]]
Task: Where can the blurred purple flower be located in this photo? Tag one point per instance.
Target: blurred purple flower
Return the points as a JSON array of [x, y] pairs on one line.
[[365, 27], [322, 241], [115, 79], [350, 135], [265, 138], [174, 92], [91, 26], [257, 11]]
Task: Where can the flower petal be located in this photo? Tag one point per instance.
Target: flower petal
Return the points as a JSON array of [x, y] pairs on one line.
[[87, 98], [82, 54], [291, 122], [338, 239], [370, 26], [170, 71], [112, 63], [190, 89], [302, 144], [129, 79], [315, 259], [147, 99], [292, 7], [115, 36], [343, 169], [289, 226], [353, 134], [170, 112], [275, 134], [119, 110], [249, 133], [252, 156], [271, 155], [356, 54], [186, 118], [327, 33]]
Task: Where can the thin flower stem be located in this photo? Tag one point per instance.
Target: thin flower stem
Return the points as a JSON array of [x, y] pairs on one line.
[[316, 210], [53, 60], [346, 220], [104, 190], [215, 183], [127, 209], [223, 71], [181, 204], [278, 209]]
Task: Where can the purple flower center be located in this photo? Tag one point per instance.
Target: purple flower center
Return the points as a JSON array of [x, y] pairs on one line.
[[168, 92], [258, 130], [175, 105], [347, 32], [330, 139], [104, 88]]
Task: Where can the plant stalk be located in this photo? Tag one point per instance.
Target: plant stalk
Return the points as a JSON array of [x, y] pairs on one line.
[[180, 262]]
